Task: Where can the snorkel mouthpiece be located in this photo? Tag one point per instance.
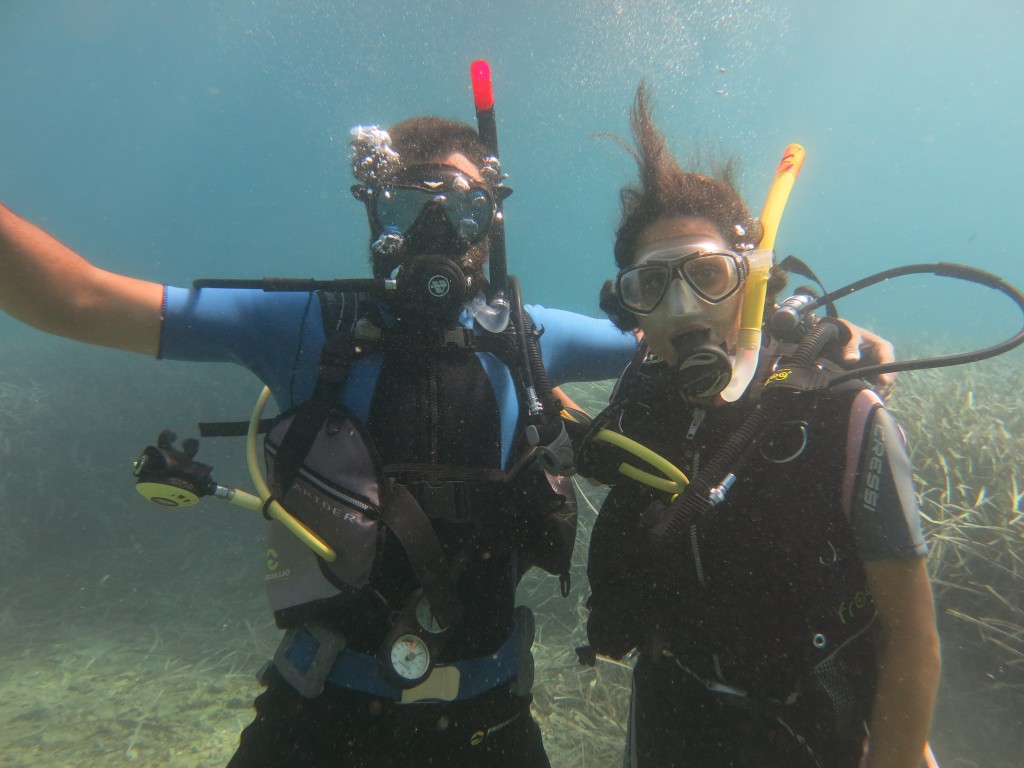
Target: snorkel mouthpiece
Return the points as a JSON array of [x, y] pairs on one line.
[[492, 317], [703, 369]]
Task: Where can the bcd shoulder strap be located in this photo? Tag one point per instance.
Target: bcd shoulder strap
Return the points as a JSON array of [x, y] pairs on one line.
[[339, 312]]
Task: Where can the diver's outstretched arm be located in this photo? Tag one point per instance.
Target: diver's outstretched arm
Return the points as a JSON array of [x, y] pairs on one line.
[[47, 285]]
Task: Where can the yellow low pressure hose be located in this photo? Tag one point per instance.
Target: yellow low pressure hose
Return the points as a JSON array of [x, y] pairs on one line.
[[274, 509], [673, 482], [748, 343]]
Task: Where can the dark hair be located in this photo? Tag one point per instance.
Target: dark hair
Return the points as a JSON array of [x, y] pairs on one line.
[[428, 139], [666, 189]]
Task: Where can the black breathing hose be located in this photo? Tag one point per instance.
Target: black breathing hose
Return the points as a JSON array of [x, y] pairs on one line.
[[695, 500], [534, 375], [940, 269]]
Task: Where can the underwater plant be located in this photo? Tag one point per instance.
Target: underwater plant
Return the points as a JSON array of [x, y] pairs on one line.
[[965, 428]]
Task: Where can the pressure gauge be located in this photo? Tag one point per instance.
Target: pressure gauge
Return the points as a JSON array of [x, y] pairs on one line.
[[410, 660]]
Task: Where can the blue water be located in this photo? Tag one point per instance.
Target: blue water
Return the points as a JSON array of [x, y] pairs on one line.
[[176, 140], [184, 139]]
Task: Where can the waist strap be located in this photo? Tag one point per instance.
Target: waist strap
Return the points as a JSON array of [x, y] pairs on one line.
[[302, 659]]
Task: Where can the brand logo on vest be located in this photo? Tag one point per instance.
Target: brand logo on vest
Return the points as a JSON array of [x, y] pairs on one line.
[[438, 286], [272, 566], [873, 478], [325, 505]]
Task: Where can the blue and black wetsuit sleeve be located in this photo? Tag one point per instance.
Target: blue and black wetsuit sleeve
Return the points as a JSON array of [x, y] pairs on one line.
[[580, 348], [277, 336]]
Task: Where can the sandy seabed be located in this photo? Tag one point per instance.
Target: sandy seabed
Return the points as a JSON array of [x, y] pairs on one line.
[[111, 676]]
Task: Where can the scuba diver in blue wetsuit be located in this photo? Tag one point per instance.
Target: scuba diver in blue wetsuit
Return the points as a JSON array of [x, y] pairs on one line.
[[409, 460]]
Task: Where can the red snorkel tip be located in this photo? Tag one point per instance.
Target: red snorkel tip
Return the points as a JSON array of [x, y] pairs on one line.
[[483, 93]]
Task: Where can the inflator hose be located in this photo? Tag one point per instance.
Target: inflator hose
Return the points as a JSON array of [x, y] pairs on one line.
[[540, 374]]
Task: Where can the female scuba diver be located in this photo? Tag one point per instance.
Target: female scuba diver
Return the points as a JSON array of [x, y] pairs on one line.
[[779, 601]]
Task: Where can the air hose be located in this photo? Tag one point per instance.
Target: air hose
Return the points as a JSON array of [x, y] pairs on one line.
[[710, 484]]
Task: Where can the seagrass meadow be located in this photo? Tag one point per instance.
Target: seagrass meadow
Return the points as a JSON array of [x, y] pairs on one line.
[[130, 635], [965, 428]]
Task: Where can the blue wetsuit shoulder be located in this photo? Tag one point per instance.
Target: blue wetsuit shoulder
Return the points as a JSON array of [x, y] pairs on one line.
[[279, 336]]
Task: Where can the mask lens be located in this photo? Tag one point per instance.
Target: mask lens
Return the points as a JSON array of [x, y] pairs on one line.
[[469, 209], [641, 288], [713, 276], [398, 208]]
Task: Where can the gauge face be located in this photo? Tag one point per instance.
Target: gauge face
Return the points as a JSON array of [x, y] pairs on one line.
[[410, 658], [426, 618]]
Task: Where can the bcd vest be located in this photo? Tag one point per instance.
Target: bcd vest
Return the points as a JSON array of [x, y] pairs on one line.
[[768, 585], [414, 499]]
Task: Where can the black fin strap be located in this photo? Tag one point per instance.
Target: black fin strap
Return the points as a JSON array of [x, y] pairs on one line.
[[407, 520]]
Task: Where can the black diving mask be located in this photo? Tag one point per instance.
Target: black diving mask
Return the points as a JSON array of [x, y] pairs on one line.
[[402, 206]]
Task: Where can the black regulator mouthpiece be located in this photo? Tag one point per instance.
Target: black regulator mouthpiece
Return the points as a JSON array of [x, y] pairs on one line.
[[430, 286], [432, 289], [703, 369]]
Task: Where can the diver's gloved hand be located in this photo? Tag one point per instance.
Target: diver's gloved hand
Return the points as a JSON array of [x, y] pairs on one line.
[[866, 348]]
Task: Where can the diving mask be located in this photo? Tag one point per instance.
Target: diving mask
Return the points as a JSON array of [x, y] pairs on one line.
[[406, 202], [709, 273], [686, 292]]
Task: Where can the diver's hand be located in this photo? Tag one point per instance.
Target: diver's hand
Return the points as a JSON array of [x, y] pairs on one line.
[[867, 348]]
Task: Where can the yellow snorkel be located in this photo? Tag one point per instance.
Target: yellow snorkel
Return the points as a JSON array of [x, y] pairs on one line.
[[748, 343]]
